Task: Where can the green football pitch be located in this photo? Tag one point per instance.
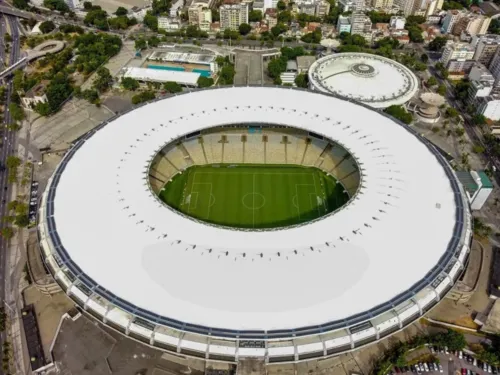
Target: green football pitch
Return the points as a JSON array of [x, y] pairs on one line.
[[248, 196]]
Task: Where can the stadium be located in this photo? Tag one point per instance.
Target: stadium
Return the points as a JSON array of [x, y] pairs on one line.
[[374, 80], [263, 222]]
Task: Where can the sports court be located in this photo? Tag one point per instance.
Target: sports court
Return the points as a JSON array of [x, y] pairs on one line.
[[247, 196]]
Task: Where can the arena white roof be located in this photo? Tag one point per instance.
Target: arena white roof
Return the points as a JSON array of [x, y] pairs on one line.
[[378, 246], [371, 79], [159, 75]]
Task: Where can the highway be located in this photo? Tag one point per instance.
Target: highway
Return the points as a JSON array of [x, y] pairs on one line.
[[7, 149]]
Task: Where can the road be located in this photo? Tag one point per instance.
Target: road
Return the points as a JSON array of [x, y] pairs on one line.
[[7, 149], [473, 131]]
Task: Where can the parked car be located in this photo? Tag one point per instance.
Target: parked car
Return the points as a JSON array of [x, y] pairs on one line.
[[494, 370], [489, 369], [446, 350], [460, 354], [396, 369], [426, 368], [485, 367], [474, 362], [440, 368], [464, 371]]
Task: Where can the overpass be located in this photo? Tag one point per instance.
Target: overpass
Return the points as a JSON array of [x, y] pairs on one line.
[[11, 69], [50, 46], [19, 13]]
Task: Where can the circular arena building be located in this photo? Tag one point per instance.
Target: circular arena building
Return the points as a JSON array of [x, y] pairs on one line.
[[157, 224], [370, 79]]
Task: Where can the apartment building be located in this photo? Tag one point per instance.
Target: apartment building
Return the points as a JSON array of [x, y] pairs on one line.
[[343, 24], [199, 14], [434, 7], [382, 4], [397, 23], [449, 21], [361, 25], [458, 57], [473, 24], [485, 47], [233, 15]]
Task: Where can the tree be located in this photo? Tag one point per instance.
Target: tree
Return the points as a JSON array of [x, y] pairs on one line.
[[47, 26], [21, 4], [129, 84], [153, 41], [143, 97], [254, 16], [205, 82], [22, 221], [172, 87], [438, 43], [451, 112], [226, 75], [16, 112], [7, 233], [301, 80], [479, 119], [399, 113], [87, 5], [121, 11], [424, 58], [441, 90], [432, 81], [140, 44], [12, 162], [97, 18], [151, 21], [281, 5], [244, 28], [103, 80], [58, 5]]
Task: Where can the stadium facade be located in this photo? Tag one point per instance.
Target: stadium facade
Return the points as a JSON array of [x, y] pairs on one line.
[[308, 291], [374, 80]]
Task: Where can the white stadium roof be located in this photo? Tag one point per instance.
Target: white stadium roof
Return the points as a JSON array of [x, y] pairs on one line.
[[160, 75], [396, 230], [371, 79]]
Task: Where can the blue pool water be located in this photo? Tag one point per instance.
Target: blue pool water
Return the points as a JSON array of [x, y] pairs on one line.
[[204, 73]]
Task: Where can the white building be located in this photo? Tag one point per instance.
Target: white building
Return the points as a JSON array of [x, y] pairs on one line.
[[189, 79], [35, 95], [489, 107], [361, 25], [382, 4], [456, 51], [168, 24], [347, 5], [233, 15], [343, 24], [434, 7], [139, 13], [473, 24], [452, 17], [199, 14], [486, 46], [477, 185], [397, 22], [175, 8]]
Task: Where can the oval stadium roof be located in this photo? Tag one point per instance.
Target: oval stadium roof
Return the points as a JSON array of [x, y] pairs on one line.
[[396, 235]]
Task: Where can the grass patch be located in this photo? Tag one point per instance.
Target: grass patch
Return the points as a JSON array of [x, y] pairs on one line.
[[254, 196]]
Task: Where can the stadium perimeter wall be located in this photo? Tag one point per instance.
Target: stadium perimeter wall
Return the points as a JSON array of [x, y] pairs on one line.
[[274, 346]]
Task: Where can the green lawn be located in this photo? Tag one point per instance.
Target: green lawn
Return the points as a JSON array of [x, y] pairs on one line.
[[254, 196]]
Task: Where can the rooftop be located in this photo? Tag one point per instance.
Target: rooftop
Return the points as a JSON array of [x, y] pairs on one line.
[[159, 75], [370, 79], [342, 265]]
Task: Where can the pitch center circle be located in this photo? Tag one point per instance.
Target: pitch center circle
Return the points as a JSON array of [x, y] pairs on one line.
[[253, 201]]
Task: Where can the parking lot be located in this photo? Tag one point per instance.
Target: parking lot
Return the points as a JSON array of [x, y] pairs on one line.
[[441, 360]]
